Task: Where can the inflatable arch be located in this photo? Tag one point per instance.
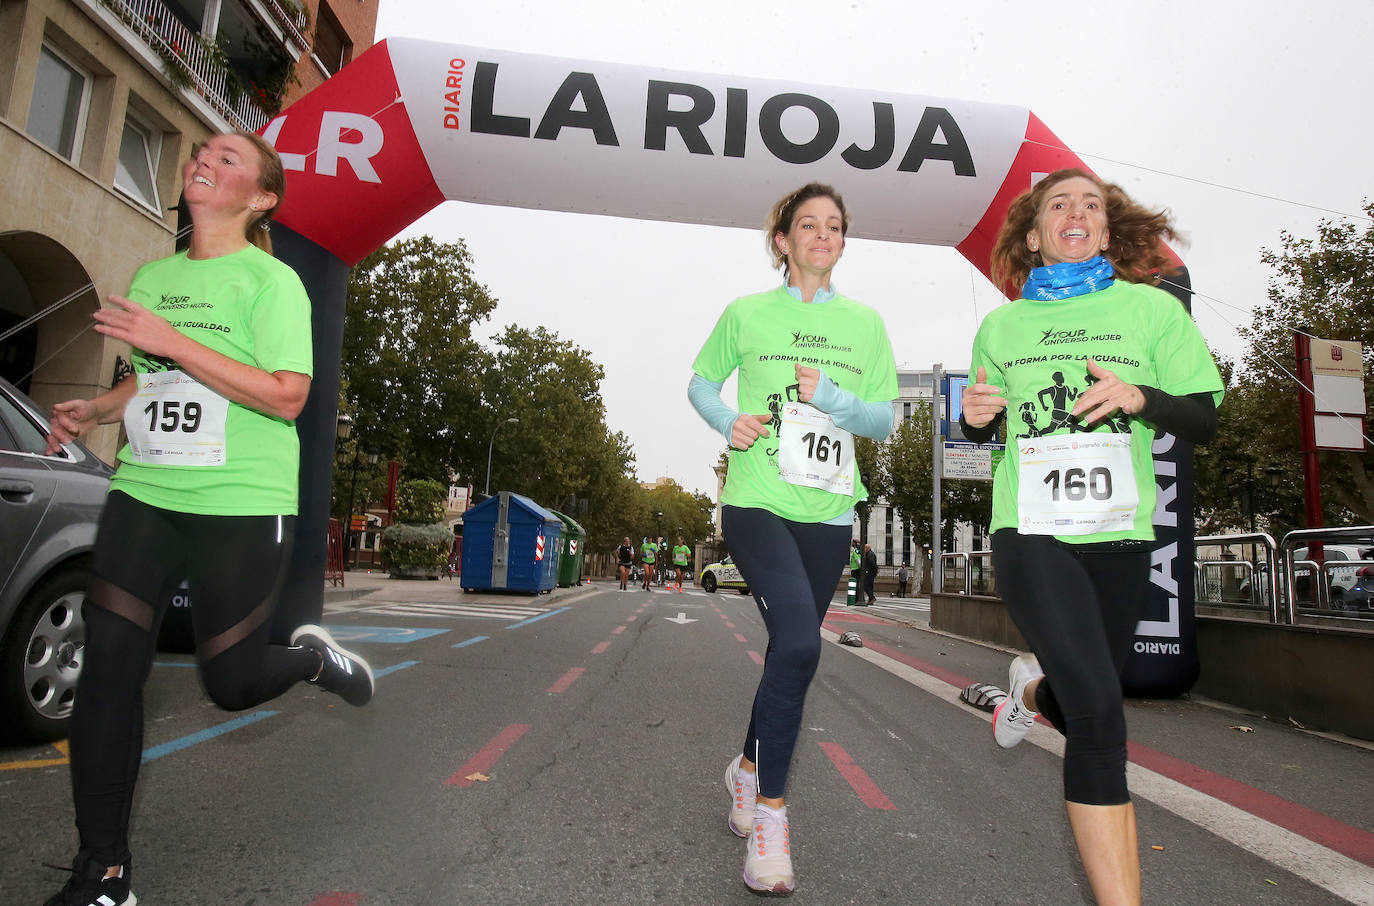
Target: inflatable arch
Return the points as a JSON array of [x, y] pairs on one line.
[[411, 123]]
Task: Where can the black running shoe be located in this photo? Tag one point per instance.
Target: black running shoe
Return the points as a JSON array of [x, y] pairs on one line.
[[88, 886], [344, 673]]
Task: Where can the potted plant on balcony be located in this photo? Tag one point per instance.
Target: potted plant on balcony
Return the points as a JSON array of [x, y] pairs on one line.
[[417, 545]]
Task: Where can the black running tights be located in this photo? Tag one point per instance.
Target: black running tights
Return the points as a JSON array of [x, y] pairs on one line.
[[1078, 610], [235, 566], [793, 569]]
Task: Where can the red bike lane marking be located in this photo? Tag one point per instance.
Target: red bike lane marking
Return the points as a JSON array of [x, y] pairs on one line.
[[757, 658], [740, 638], [1324, 830], [618, 630], [601, 647], [856, 776], [567, 680], [488, 756]]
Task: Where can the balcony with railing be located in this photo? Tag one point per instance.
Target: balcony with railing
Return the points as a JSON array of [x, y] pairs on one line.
[[238, 61]]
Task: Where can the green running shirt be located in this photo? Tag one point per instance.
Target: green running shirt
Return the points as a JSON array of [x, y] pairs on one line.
[[763, 336], [252, 308], [1036, 352]]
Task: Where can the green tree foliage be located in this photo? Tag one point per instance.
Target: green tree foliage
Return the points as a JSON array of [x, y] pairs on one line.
[[1325, 287], [410, 359], [684, 512], [420, 501], [905, 462], [561, 445]]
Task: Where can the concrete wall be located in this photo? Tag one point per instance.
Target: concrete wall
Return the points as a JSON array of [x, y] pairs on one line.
[[1318, 676]]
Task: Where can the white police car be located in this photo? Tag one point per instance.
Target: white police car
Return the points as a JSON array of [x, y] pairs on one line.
[[722, 575]]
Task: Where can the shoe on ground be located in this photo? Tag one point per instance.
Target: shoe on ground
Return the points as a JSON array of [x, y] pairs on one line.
[[768, 866], [1012, 720], [744, 789], [88, 886], [344, 673]]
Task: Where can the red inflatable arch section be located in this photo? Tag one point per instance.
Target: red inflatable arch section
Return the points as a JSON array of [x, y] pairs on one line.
[[411, 124]]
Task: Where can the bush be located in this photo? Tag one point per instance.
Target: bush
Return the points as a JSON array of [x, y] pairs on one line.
[[420, 501], [415, 547]]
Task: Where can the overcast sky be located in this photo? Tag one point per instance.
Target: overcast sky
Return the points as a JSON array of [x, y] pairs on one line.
[[1242, 118]]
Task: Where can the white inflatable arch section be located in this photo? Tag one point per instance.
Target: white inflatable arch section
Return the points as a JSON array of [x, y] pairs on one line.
[[411, 123]]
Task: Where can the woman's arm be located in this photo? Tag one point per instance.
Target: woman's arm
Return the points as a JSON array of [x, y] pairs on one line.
[[848, 411], [1192, 417], [741, 430], [74, 418], [278, 393]]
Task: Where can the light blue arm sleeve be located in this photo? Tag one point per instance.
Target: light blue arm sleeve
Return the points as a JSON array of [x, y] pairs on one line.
[[705, 397], [851, 413]]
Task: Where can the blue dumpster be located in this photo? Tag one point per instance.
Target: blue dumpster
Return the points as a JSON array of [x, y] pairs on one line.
[[510, 543]]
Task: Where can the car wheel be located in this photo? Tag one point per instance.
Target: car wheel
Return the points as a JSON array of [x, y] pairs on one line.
[[708, 583], [744, 591], [41, 659]]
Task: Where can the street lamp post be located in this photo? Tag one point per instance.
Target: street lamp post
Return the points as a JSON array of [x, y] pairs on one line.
[[486, 490]]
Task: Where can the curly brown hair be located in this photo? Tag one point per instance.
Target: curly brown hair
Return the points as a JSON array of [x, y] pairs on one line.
[[1136, 247], [785, 211]]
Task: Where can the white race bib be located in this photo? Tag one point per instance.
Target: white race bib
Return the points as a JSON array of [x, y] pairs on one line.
[[176, 420], [1076, 484], [814, 452]]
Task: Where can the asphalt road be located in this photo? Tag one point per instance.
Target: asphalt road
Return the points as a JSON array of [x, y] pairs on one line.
[[570, 748]]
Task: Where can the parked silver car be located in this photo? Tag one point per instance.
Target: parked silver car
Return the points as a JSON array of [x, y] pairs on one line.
[[49, 507]]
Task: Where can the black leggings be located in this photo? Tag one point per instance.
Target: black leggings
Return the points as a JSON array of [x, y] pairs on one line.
[[235, 566], [793, 569], [1078, 610]]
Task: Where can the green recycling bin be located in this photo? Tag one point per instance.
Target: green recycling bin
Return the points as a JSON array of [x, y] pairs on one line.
[[571, 549]]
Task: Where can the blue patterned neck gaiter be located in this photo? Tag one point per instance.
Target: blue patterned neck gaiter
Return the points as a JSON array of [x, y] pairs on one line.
[[1068, 279]]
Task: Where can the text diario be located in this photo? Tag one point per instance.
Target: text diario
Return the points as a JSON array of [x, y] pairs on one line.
[[578, 103]]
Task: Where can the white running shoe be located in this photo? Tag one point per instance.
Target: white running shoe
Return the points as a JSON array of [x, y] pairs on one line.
[[768, 866], [1012, 720], [744, 789]]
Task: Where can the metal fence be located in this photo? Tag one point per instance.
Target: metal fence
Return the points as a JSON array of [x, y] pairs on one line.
[[1264, 578]]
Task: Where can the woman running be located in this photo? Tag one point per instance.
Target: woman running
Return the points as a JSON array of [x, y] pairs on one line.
[[1074, 497], [788, 504], [625, 561], [682, 554], [206, 489]]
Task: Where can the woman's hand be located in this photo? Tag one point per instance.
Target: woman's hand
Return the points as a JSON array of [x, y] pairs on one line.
[[69, 421], [1107, 395], [128, 321], [982, 402], [747, 429], [807, 379]]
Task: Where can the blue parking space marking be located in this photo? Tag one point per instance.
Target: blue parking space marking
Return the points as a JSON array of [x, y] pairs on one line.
[[386, 635], [472, 641], [186, 742], [535, 619], [376, 674]]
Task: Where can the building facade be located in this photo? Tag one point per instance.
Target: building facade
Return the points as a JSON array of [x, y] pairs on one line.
[[100, 103]]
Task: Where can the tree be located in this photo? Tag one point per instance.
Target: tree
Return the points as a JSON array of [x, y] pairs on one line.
[[906, 464], [1326, 288], [410, 360], [561, 446], [684, 512]]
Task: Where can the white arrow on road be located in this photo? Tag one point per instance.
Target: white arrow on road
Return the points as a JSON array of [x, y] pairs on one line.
[[680, 619]]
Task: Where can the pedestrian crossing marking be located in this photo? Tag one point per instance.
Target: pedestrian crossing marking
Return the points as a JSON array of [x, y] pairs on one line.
[[452, 611]]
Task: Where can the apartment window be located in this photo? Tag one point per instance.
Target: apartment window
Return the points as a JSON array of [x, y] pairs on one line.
[[136, 172], [61, 95], [887, 537], [906, 411], [332, 45]]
